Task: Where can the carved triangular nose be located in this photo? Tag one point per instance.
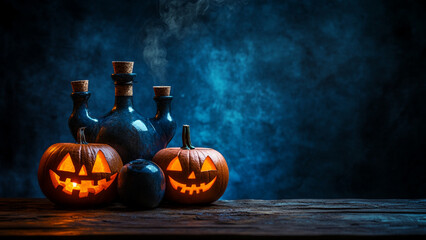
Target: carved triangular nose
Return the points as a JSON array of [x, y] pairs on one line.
[[83, 171], [192, 175]]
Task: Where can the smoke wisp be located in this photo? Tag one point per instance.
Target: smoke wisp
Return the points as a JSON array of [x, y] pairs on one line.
[[177, 19]]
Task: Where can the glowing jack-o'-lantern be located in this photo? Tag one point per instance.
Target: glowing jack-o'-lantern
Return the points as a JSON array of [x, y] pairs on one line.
[[79, 174], [193, 175]]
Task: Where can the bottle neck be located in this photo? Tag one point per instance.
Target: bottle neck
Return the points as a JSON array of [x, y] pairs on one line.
[[125, 90], [123, 97], [163, 106], [80, 100], [123, 103]]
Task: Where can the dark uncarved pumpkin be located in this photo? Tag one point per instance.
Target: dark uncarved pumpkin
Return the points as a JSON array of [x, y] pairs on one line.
[[79, 174], [193, 175]]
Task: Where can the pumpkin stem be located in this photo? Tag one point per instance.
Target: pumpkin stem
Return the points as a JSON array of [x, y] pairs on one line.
[[186, 138], [81, 136]]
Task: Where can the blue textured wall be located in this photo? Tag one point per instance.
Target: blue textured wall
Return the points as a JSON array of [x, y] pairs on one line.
[[303, 98]]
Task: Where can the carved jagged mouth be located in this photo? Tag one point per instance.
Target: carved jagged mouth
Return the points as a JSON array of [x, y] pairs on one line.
[[84, 188], [193, 188]]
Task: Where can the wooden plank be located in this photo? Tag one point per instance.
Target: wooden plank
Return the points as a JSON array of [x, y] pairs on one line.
[[295, 218]]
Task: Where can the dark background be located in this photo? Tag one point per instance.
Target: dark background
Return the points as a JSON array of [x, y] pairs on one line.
[[305, 99]]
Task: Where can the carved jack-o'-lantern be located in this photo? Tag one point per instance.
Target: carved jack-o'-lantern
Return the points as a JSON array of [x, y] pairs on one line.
[[79, 174], [193, 175]]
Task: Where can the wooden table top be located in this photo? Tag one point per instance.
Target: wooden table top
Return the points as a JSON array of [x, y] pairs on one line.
[[229, 219]]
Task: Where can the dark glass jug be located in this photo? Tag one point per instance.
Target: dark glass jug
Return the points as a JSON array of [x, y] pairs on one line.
[[132, 135]]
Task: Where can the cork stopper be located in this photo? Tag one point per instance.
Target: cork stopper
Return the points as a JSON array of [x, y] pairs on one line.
[[162, 90], [80, 85], [122, 67]]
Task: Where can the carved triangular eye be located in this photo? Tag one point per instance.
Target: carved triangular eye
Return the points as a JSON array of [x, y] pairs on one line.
[[66, 164], [208, 165], [174, 165], [101, 164]]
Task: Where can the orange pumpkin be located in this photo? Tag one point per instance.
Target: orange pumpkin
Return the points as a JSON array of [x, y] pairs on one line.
[[79, 174], [193, 175]]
